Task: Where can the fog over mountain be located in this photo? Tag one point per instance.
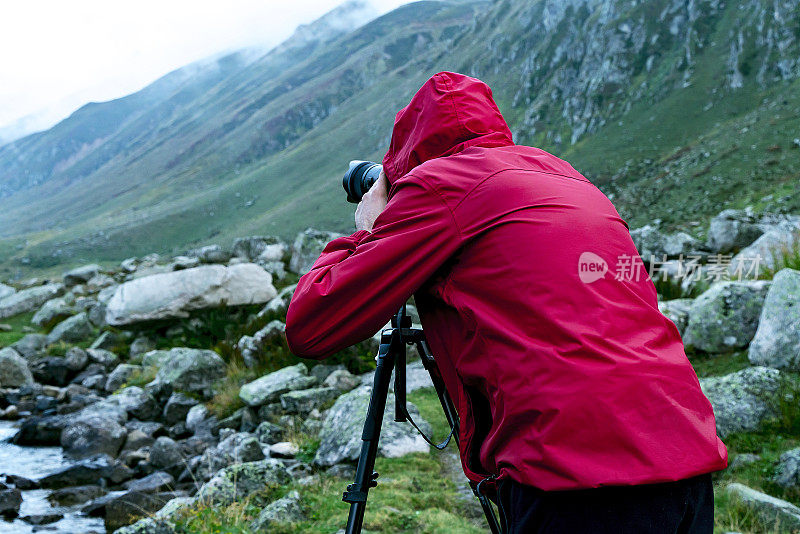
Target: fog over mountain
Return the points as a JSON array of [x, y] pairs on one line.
[[108, 50]]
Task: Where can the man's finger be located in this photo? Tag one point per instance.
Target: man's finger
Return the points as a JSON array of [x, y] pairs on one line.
[[381, 185]]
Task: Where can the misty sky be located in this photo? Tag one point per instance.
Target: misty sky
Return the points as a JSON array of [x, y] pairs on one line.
[[56, 55]]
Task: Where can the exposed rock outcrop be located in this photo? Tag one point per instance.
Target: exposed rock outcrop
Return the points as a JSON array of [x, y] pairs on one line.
[[777, 340], [742, 400], [340, 438], [14, 371], [307, 247], [174, 294], [28, 300], [269, 388], [725, 317]]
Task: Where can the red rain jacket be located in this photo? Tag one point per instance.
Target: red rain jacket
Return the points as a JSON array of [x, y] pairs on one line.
[[534, 300]]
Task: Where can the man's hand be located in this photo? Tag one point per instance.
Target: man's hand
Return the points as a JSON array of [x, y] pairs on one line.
[[372, 203]]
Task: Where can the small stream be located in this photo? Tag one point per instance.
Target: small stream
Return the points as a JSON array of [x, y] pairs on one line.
[[34, 463]]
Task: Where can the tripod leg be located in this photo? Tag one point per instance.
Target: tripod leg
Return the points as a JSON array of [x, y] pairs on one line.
[[357, 492], [491, 518]]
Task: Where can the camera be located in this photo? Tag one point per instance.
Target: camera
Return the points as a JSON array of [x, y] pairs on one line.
[[359, 178]]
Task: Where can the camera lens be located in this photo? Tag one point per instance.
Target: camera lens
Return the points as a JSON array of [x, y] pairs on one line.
[[359, 178]]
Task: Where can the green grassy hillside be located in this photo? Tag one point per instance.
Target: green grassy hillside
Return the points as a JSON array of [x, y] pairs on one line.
[[676, 111]]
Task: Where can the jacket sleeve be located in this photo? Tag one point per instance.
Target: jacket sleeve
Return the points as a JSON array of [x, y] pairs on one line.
[[360, 281]]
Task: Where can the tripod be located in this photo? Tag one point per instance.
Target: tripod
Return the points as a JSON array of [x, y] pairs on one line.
[[392, 356]]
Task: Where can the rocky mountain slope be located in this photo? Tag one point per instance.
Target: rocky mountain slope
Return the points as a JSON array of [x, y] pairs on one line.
[[676, 109]]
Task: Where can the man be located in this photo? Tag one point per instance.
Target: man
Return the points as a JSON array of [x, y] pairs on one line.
[[574, 392]]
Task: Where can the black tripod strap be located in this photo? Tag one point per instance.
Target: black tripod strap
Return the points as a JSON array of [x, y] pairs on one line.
[[441, 446]]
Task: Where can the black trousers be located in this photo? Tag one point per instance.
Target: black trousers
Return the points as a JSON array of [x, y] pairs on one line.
[[682, 507]]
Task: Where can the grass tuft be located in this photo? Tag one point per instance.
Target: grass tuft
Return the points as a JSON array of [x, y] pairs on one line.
[[17, 324], [788, 257], [140, 377]]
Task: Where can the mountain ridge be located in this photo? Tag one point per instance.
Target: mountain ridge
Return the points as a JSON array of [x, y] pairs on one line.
[[633, 94]]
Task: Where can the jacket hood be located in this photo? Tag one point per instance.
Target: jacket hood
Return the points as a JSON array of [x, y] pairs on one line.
[[449, 113]]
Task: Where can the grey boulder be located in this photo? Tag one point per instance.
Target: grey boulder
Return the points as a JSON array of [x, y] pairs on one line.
[[732, 230], [777, 340], [52, 311], [765, 250], [30, 345], [141, 345], [76, 359], [285, 510], [28, 299], [121, 510], [92, 434], [253, 247], [72, 495], [158, 481], [86, 471], [191, 371], [96, 429], [270, 387], [303, 401], [105, 358], [156, 358], [742, 400], [251, 347], [10, 502], [200, 421], [340, 437], [725, 317], [162, 522], [268, 433], [307, 247], [174, 294], [14, 371], [276, 268], [76, 328], [81, 275], [165, 453], [653, 243], [211, 254], [6, 291], [787, 473], [237, 481], [98, 282], [51, 370], [137, 402], [177, 408], [237, 448], [342, 380], [120, 375], [278, 305]]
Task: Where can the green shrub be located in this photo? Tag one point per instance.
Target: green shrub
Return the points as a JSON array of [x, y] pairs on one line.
[[731, 515], [669, 289], [141, 377], [59, 348], [207, 518], [788, 257]]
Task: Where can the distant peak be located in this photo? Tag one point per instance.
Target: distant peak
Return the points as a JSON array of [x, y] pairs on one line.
[[342, 19]]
